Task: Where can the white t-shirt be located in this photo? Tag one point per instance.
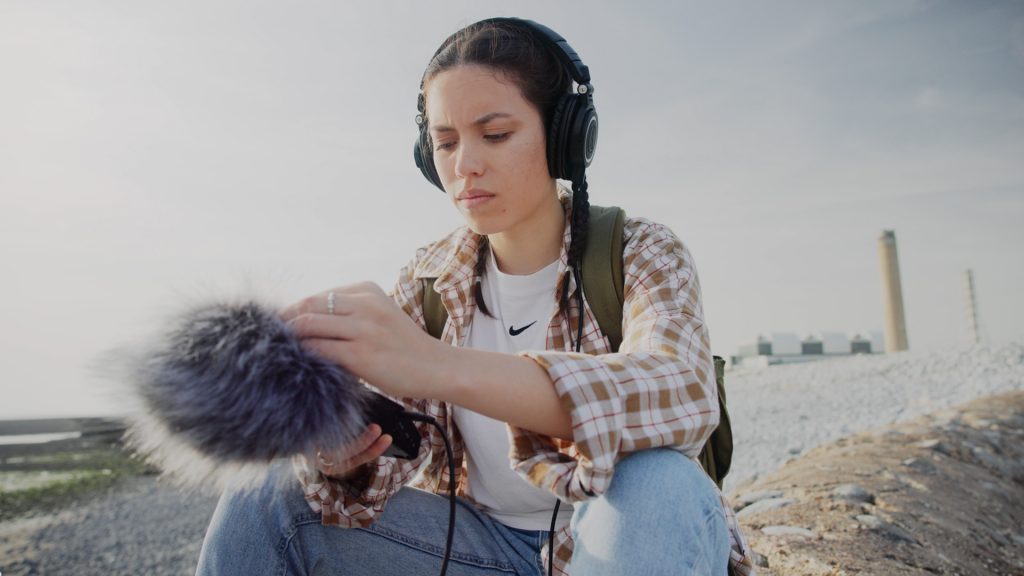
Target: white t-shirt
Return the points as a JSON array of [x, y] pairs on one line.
[[522, 307]]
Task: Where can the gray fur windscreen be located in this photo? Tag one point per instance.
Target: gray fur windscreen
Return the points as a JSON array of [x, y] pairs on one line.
[[229, 386]]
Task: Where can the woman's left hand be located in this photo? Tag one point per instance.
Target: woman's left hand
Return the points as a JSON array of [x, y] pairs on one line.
[[370, 336]]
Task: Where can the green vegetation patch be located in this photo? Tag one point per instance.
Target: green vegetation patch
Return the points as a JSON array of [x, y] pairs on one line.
[[34, 483]]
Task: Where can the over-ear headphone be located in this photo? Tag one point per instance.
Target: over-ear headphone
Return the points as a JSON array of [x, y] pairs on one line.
[[572, 136]]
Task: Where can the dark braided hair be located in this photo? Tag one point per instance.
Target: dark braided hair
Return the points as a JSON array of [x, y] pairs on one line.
[[580, 226], [542, 79], [478, 274]]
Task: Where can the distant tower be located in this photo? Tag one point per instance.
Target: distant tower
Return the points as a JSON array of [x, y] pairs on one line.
[[895, 325], [973, 334]]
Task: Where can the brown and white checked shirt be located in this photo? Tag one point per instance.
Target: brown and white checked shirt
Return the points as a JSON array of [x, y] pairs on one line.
[[657, 391]]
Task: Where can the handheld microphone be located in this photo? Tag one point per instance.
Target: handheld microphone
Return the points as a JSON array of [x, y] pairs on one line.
[[232, 384]]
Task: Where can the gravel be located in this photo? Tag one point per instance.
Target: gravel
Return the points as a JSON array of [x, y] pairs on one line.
[[141, 526], [780, 412]]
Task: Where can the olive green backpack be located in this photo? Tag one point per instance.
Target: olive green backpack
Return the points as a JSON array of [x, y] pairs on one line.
[[603, 284]]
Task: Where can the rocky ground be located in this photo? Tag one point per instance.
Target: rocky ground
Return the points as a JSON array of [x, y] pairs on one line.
[[941, 494], [137, 526]]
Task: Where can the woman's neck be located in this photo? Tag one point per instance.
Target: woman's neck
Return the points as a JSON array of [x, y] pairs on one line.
[[532, 245]]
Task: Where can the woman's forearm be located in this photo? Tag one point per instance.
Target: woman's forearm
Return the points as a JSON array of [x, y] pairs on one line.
[[505, 387]]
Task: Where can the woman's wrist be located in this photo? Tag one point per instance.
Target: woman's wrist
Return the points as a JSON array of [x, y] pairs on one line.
[[447, 380]]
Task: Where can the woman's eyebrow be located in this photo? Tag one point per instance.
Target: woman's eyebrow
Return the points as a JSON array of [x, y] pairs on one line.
[[478, 122]]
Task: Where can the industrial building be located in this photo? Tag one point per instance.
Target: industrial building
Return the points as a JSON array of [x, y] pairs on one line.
[[783, 347]]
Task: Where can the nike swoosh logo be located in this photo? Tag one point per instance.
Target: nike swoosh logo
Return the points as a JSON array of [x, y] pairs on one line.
[[513, 332]]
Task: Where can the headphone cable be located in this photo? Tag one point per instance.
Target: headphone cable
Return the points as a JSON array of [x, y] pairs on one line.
[[578, 343], [451, 484]]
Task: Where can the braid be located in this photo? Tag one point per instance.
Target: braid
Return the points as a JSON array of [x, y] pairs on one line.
[[579, 227], [478, 273], [580, 223]]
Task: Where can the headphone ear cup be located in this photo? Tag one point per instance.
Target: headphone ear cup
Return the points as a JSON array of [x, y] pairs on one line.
[[583, 141], [573, 136], [557, 136], [424, 158]]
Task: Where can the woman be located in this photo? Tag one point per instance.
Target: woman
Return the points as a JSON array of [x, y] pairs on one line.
[[612, 437]]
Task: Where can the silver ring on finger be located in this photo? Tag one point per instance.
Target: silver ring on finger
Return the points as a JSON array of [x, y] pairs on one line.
[[330, 302], [323, 461]]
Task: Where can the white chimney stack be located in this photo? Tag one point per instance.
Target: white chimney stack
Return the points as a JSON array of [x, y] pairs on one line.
[[895, 324]]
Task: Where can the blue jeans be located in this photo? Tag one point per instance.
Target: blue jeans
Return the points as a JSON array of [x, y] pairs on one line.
[[659, 516]]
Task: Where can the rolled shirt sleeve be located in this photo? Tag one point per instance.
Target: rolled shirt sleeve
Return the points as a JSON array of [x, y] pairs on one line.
[[657, 391]]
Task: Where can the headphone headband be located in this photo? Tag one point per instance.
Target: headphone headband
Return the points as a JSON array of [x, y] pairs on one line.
[[568, 57]]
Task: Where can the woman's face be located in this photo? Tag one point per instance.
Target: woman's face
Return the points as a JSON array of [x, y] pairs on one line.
[[489, 148]]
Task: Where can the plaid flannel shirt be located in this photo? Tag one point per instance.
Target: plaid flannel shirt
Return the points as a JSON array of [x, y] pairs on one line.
[[657, 391]]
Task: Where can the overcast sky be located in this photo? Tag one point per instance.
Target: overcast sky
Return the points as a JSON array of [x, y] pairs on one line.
[[153, 152]]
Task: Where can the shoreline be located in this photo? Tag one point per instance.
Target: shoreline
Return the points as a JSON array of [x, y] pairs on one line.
[[84, 424]]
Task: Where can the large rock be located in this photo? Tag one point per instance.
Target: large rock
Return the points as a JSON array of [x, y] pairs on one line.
[[763, 506]]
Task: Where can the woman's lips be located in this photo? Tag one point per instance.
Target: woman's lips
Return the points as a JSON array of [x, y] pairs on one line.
[[472, 200]]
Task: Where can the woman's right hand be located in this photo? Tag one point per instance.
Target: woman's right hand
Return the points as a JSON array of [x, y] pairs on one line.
[[342, 463]]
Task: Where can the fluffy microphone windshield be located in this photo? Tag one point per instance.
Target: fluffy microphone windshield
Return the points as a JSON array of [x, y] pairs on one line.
[[230, 384]]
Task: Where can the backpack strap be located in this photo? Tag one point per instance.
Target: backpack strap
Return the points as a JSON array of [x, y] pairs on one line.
[[434, 312], [603, 279], [716, 456]]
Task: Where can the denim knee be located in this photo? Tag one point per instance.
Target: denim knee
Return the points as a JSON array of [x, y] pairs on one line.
[[661, 515], [252, 525]]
